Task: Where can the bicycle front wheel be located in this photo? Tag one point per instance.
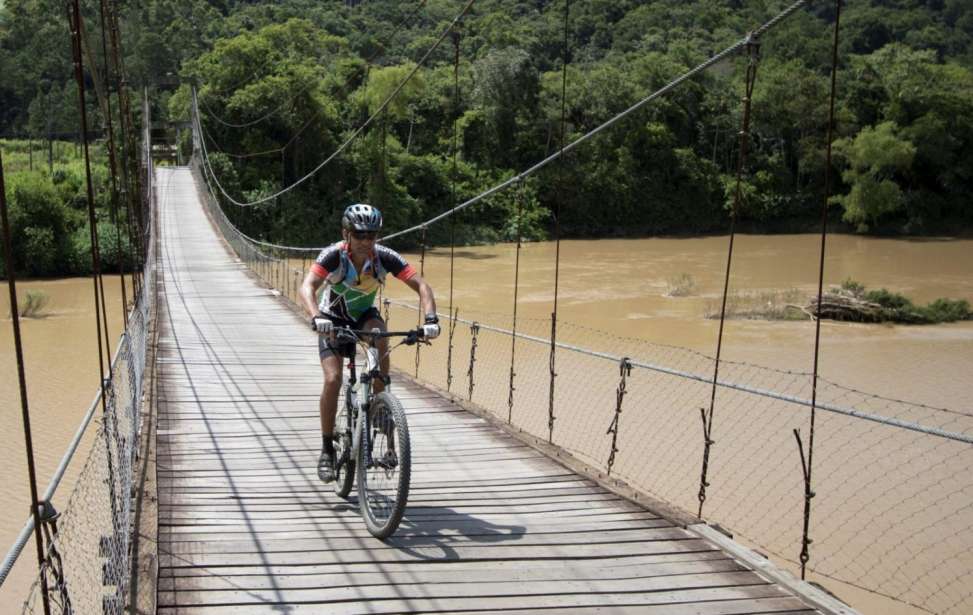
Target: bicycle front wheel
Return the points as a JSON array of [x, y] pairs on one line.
[[345, 464], [383, 484]]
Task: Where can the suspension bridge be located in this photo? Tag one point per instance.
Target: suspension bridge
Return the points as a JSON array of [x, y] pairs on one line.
[[199, 494]]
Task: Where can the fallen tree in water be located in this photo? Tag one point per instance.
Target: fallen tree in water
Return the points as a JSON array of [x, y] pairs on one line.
[[850, 302]]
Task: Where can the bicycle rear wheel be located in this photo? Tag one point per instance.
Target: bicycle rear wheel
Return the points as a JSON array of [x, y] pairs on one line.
[[344, 462], [383, 487]]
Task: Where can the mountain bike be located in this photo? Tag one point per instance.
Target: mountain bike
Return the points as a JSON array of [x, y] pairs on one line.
[[372, 435]]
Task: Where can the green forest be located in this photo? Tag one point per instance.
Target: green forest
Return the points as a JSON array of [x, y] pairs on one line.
[[282, 85]]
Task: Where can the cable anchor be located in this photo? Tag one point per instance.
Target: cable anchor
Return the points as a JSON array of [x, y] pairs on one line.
[[808, 495], [708, 442], [474, 331], [624, 371], [449, 350]]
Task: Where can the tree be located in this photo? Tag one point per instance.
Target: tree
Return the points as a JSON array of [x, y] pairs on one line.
[[877, 158]]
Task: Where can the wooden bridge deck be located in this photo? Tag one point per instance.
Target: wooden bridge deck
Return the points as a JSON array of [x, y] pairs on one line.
[[246, 527]]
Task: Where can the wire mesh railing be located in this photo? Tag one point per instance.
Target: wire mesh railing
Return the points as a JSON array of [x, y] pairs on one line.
[[893, 492], [89, 543]]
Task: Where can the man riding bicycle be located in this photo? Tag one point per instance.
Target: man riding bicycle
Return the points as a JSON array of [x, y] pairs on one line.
[[352, 271]]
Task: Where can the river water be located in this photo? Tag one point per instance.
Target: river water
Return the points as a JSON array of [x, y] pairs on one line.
[[908, 489], [619, 286], [615, 286]]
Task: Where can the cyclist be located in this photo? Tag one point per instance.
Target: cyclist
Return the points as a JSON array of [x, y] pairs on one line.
[[352, 271]]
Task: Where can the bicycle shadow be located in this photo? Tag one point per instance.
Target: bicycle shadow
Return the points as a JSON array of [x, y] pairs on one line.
[[433, 533]]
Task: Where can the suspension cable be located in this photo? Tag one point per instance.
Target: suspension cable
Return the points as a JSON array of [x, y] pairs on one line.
[[565, 60], [719, 57], [113, 168], [354, 135], [452, 201], [735, 47], [92, 221], [805, 555], [513, 336], [84, 49], [753, 48], [307, 86], [24, 407], [342, 89], [129, 162], [707, 379]]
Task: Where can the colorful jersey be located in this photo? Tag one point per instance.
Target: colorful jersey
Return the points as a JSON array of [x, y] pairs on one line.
[[350, 293]]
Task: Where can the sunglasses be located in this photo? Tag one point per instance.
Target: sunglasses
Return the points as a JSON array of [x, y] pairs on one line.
[[363, 235]]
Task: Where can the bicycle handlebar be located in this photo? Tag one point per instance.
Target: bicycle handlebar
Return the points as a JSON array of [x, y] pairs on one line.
[[412, 336]]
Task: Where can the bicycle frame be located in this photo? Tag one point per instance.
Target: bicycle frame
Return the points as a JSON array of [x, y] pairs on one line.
[[358, 395], [358, 391], [391, 467]]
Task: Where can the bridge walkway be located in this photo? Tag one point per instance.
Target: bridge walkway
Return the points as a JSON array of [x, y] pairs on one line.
[[492, 525]]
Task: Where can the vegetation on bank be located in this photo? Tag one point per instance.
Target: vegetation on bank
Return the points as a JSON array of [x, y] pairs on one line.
[[850, 301], [904, 111], [48, 212]]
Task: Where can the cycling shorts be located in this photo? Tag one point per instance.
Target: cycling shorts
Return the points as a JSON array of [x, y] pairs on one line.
[[326, 348]]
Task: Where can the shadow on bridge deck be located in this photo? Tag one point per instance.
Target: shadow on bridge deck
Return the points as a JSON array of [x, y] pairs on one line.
[[492, 524]]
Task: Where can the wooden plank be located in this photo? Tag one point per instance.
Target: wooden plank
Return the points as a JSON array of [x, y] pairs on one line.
[[341, 542], [468, 568], [716, 585], [358, 601], [458, 577], [430, 531], [488, 551]]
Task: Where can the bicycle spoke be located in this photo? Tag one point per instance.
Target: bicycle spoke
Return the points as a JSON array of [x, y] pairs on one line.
[[384, 484]]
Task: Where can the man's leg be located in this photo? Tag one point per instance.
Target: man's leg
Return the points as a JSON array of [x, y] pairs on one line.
[[328, 405], [383, 347]]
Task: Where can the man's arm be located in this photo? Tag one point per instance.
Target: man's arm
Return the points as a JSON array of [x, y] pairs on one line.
[[309, 290], [427, 301]]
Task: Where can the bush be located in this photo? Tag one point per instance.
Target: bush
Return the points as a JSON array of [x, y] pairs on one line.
[[948, 310], [33, 304], [39, 251], [889, 300], [681, 285], [855, 288]]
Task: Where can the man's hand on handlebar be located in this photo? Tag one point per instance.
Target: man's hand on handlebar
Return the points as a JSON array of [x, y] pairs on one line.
[[430, 330], [322, 325]]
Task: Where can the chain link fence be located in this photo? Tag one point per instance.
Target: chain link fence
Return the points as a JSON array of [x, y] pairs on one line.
[[89, 543]]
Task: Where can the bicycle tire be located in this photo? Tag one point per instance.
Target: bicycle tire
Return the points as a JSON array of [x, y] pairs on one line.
[[383, 489], [344, 473]]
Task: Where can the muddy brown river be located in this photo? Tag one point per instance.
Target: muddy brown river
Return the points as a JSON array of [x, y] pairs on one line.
[[616, 286]]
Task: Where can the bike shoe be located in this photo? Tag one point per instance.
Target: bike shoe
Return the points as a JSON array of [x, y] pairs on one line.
[[326, 467]]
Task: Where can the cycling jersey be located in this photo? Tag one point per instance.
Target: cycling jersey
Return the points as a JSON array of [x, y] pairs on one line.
[[349, 293]]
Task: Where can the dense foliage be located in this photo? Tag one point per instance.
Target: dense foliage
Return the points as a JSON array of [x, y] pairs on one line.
[[48, 212], [904, 109]]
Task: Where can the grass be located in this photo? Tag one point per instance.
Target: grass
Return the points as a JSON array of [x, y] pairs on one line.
[[32, 304], [763, 305], [682, 285]]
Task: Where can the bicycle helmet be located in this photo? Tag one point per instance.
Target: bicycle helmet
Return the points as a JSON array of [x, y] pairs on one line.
[[361, 217]]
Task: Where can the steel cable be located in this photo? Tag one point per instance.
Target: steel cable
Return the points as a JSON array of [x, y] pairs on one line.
[[808, 467], [350, 139], [614, 120], [306, 87]]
